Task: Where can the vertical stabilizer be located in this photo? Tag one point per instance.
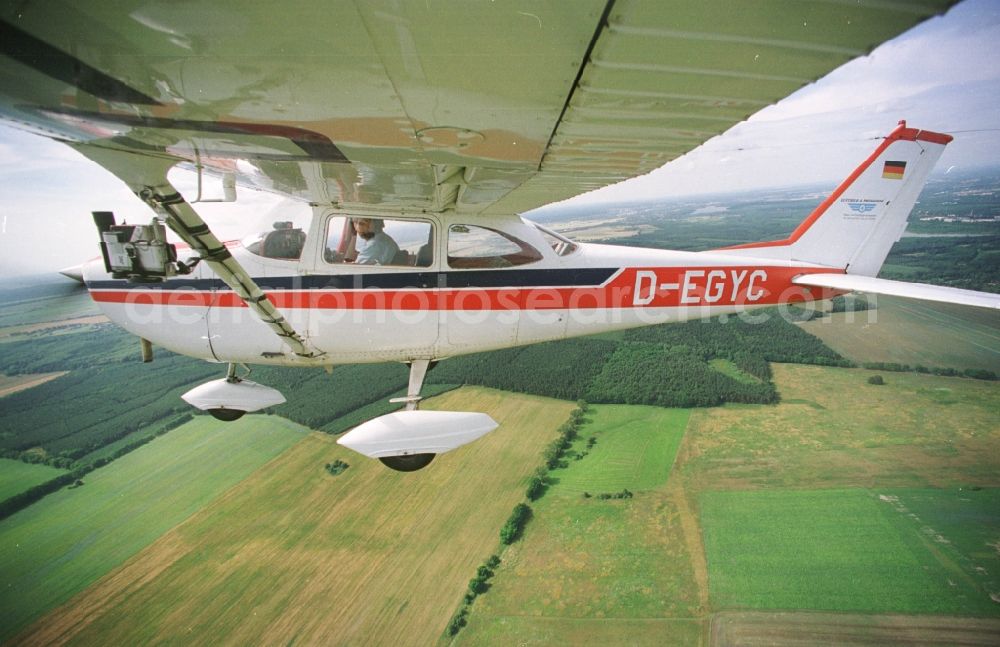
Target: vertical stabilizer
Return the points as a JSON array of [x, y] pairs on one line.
[[855, 227]]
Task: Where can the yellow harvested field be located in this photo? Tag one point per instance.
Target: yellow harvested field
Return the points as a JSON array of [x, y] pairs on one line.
[[14, 383], [833, 429], [294, 555]]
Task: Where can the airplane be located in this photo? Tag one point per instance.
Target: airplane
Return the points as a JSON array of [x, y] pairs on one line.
[[417, 133]]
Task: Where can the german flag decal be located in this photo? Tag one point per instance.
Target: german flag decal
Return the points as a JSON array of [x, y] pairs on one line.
[[894, 170]]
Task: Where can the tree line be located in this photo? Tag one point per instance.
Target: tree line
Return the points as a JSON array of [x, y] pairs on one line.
[[665, 365]]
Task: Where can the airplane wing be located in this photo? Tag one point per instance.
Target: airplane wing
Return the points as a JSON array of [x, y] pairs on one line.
[[481, 107]]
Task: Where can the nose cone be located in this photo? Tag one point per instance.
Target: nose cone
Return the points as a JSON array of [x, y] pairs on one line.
[[75, 273]]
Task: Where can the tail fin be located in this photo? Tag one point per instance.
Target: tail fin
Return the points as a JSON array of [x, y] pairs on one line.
[[855, 227]]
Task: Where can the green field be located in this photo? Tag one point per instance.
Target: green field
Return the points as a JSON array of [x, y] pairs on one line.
[[294, 555], [960, 525], [793, 527], [914, 332], [16, 477], [728, 368], [806, 507], [635, 448], [831, 550], [626, 562], [65, 542], [538, 631]]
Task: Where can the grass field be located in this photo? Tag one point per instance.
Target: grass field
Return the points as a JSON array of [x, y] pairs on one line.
[[794, 527], [65, 542], [16, 477], [830, 550], [833, 430], [294, 555], [726, 367], [915, 332], [852, 496], [961, 526], [627, 562], [635, 448]]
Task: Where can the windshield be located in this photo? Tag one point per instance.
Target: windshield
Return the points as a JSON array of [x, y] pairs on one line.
[[474, 247]]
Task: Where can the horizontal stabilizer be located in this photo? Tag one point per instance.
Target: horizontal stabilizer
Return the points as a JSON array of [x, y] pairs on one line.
[[922, 291]]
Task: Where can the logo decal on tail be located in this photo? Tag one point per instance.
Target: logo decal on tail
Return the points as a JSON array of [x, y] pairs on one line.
[[862, 207]]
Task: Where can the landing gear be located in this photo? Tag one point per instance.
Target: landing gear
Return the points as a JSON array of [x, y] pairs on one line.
[[226, 415], [222, 412], [418, 370], [409, 463], [407, 441], [230, 398]]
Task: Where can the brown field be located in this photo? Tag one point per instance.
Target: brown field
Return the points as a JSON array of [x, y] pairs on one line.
[[293, 555], [14, 383], [777, 629], [914, 332]]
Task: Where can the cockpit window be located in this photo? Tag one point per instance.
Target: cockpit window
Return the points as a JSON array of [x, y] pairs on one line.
[[379, 241], [560, 244], [284, 242], [470, 246]]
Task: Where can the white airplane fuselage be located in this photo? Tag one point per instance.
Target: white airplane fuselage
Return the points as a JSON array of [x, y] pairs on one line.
[[355, 313]]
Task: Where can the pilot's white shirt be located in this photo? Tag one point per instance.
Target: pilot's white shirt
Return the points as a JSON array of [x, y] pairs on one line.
[[378, 250]]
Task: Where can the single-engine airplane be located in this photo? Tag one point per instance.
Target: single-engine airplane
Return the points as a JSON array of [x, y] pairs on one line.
[[417, 132]]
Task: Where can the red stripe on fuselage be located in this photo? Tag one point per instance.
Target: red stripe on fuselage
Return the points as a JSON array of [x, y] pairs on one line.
[[630, 288]]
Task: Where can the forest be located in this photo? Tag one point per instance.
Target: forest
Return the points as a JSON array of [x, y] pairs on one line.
[[109, 395]]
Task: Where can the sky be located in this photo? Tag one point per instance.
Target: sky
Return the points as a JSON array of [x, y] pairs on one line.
[[943, 75]]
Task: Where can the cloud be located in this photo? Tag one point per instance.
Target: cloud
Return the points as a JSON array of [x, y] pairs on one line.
[[951, 50], [49, 191], [943, 75]]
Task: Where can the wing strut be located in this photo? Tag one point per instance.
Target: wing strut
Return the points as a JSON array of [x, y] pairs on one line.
[[137, 171], [186, 223]]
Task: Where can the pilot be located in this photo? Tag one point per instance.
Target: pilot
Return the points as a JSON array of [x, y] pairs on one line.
[[373, 246]]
